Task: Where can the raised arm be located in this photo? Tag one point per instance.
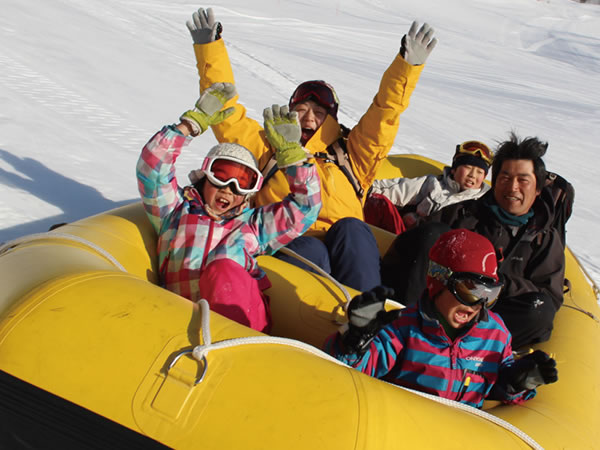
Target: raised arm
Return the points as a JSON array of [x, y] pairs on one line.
[[279, 223], [155, 169], [372, 138], [214, 66]]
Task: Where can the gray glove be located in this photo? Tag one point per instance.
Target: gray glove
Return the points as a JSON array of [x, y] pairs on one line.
[[416, 46], [203, 27], [283, 132], [209, 108]]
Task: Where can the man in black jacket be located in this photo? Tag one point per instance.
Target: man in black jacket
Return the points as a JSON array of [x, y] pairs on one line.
[[517, 216]]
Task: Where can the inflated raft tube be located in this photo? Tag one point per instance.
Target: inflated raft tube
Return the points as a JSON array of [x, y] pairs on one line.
[[82, 318]]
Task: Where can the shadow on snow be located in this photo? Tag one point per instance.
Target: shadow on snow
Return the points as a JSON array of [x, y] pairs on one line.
[[75, 199]]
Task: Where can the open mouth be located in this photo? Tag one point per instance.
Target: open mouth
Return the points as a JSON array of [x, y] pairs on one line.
[[463, 317], [511, 198], [222, 203], [307, 133]]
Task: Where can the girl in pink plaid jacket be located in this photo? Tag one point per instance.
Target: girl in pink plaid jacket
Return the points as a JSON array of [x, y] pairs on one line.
[[208, 236]]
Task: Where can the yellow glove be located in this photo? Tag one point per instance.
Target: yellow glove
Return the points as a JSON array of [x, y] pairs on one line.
[[283, 132], [209, 108]]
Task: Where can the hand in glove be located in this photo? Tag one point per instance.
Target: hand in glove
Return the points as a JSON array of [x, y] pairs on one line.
[[283, 132], [203, 27], [208, 108], [530, 371], [366, 316], [416, 46]]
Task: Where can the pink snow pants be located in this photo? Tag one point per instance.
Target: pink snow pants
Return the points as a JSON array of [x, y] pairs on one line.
[[233, 293]]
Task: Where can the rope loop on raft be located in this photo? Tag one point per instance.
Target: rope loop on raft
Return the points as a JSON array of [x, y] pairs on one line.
[[339, 285], [65, 236]]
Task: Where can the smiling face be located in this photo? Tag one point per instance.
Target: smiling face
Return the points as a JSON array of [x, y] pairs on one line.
[[220, 199], [468, 177], [311, 116], [456, 314], [515, 186]]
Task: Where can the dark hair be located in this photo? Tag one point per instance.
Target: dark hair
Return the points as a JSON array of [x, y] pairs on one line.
[[199, 185], [529, 148]]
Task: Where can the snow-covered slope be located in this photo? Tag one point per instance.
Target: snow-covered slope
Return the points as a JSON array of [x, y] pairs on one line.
[[83, 85]]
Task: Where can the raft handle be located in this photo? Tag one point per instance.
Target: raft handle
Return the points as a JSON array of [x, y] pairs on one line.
[[203, 360]]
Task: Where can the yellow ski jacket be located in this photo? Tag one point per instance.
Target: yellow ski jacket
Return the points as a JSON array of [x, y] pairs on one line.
[[368, 143]]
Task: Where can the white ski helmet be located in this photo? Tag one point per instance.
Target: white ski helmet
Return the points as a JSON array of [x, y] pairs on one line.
[[248, 180]]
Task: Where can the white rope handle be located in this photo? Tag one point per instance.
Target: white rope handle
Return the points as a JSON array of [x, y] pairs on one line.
[[340, 286], [69, 237], [200, 352], [317, 269]]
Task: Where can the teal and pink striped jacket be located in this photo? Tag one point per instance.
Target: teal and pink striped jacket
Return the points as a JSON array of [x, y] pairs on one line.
[[414, 351], [188, 239]]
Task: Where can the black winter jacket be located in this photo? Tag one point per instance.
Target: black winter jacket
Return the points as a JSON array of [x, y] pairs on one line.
[[531, 258]]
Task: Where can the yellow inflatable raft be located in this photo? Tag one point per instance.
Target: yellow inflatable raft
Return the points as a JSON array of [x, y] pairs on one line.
[[86, 334]]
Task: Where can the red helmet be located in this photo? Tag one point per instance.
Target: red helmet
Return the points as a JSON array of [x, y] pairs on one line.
[[466, 263]]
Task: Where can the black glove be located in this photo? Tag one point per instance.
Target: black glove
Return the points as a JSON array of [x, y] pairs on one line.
[[529, 372], [366, 316]]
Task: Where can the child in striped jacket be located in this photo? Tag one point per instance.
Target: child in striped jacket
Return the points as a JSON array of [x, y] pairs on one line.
[[208, 237], [450, 344]]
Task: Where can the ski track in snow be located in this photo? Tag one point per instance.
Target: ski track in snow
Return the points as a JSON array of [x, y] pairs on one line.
[[281, 82], [71, 106]]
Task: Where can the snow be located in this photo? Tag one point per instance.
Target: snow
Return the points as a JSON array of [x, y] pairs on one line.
[[84, 85]]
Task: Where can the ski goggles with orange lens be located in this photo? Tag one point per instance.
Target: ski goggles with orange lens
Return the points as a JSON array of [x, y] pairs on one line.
[[468, 288], [223, 171], [322, 92], [475, 148]]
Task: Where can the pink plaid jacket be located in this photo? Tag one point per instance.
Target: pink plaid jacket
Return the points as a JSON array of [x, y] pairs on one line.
[[188, 239]]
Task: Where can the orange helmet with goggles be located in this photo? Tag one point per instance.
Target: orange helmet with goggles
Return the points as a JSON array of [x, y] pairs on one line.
[[465, 263], [230, 164]]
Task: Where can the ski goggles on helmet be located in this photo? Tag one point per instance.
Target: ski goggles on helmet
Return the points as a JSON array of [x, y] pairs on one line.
[[317, 90], [468, 288], [223, 171], [475, 148]]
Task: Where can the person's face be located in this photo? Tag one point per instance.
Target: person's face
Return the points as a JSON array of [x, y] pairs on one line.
[[311, 116], [515, 186], [220, 199], [468, 177], [455, 313]]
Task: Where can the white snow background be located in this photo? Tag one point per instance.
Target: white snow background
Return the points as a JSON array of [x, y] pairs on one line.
[[84, 85]]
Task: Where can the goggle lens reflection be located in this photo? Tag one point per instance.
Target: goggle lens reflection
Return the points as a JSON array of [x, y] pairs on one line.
[[476, 148], [316, 89], [469, 288], [222, 171]]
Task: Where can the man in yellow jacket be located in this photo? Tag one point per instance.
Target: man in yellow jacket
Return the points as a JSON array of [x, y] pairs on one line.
[[339, 241]]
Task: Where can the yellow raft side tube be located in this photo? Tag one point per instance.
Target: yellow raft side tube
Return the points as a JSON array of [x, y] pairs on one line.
[[81, 317]]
